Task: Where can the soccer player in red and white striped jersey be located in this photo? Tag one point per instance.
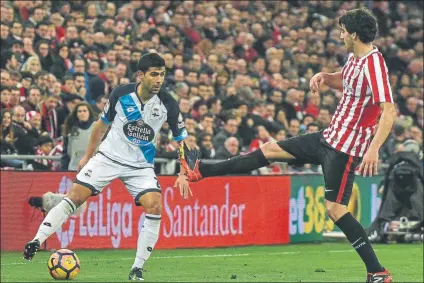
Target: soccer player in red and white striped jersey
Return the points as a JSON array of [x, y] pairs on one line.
[[366, 91], [353, 138]]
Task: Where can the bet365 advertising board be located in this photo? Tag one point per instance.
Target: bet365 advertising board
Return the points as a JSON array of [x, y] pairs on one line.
[[308, 219], [224, 211]]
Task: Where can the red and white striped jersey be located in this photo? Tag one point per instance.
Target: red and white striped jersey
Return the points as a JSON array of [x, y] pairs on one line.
[[365, 85]]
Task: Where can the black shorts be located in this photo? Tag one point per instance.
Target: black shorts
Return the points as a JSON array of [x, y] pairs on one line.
[[338, 167]]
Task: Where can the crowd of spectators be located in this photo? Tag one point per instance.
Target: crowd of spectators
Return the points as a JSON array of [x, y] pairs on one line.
[[239, 70]]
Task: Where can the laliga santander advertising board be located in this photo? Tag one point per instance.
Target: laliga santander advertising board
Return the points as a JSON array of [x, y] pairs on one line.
[[224, 211]]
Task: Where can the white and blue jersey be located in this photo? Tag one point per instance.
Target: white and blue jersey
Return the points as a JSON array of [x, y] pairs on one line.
[[134, 125]]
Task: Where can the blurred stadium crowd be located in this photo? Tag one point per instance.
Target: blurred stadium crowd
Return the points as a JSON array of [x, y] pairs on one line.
[[239, 70]]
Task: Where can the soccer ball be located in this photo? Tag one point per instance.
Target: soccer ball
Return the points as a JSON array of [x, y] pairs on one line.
[[63, 265]]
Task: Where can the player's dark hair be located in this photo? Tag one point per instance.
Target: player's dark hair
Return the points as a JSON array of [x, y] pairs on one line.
[[150, 60], [361, 21]]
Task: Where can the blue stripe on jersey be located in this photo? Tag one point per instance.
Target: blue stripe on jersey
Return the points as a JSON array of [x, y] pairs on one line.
[[133, 114], [149, 151], [130, 108]]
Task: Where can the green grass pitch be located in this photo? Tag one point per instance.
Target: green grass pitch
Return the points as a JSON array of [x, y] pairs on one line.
[[327, 262]]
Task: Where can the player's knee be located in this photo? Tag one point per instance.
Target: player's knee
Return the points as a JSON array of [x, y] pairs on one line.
[[271, 150], [79, 194], [76, 198], [335, 210], [154, 208], [152, 203]]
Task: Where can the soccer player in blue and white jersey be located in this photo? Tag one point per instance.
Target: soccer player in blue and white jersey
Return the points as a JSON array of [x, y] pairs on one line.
[[126, 132]]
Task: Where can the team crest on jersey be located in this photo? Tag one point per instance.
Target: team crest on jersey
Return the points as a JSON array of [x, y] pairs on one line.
[[155, 112], [139, 132]]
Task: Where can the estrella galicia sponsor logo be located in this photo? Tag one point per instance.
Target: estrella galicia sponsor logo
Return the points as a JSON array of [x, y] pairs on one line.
[[139, 132]]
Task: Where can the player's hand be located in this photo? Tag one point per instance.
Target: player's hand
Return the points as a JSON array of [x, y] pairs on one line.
[[316, 82], [182, 183], [369, 163], [82, 162]]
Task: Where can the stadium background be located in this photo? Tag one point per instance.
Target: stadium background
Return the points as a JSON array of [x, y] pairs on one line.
[[237, 68]]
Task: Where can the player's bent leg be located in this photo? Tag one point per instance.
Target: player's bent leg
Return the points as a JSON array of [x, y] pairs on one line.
[[242, 164], [358, 238], [301, 149], [149, 234], [79, 194], [273, 152], [335, 210], [56, 217], [339, 175]]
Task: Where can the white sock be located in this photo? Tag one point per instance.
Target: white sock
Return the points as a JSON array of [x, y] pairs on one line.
[[54, 219], [147, 239]]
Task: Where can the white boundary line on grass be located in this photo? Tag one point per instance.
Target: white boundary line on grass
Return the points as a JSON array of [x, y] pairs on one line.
[[198, 256]]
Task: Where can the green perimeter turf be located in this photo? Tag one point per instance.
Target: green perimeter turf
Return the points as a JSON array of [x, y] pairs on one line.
[[338, 262]]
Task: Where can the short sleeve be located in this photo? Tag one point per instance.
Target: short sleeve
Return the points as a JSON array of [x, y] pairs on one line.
[[378, 79], [176, 122], [109, 111]]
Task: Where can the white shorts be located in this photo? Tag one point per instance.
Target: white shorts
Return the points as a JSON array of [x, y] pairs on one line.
[[100, 171]]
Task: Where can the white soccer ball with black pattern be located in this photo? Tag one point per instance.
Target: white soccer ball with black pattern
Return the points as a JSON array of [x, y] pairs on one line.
[[64, 265]]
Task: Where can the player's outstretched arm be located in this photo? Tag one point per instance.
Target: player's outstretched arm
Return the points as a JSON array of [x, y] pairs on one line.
[[332, 80], [370, 159], [99, 130]]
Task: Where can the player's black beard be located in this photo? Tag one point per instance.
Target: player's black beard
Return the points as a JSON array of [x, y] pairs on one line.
[[144, 93], [147, 94]]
